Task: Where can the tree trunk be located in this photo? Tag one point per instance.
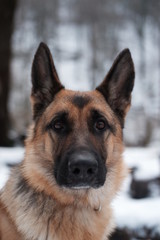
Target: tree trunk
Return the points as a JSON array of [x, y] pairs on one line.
[[7, 10]]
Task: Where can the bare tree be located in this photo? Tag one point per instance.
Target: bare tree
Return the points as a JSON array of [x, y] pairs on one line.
[[7, 10]]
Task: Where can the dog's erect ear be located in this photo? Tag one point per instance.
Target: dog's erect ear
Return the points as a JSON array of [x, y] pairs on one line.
[[45, 80], [118, 84]]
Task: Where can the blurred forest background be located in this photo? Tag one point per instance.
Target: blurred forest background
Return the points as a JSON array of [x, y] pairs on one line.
[[84, 37]]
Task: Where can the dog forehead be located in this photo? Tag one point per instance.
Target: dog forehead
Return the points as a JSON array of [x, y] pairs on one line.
[[80, 99], [76, 102], [79, 106]]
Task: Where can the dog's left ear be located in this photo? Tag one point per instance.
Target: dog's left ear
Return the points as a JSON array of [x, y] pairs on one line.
[[118, 84], [45, 80]]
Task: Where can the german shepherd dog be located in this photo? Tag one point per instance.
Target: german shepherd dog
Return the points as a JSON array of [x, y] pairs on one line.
[[73, 164]]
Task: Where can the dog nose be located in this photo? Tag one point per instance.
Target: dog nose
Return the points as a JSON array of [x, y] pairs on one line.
[[82, 168]]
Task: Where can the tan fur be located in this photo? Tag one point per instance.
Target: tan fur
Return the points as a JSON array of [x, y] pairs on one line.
[[7, 227], [32, 205]]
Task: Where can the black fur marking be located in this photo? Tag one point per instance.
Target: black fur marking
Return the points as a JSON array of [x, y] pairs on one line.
[[30, 196], [22, 187], [32, 199], [80, 101], [27, 191]]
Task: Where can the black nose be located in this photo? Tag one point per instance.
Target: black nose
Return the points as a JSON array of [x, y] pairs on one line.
[[82, 169]]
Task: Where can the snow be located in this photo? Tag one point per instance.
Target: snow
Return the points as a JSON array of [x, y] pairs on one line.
[[11, 155], [4, 174], [131, 213], [146, 160], [134, 214], [8, 155]]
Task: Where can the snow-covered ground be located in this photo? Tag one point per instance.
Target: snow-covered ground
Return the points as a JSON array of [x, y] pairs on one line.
[[8, 156], [139, 213], [129, 212]]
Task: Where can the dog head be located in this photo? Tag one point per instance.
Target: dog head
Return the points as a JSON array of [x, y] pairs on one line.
[[75, 144]]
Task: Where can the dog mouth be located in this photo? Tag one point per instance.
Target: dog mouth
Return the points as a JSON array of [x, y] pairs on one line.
[[80, 183], [79, 186]]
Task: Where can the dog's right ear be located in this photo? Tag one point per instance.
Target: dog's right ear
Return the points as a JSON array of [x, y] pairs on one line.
[[45, 80]]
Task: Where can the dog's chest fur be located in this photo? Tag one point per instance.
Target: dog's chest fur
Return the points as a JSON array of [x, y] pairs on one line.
[[81, 224], [43, 219]]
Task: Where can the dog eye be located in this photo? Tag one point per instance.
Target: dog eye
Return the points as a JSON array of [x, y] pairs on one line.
[[100, 125], [58, 125]]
